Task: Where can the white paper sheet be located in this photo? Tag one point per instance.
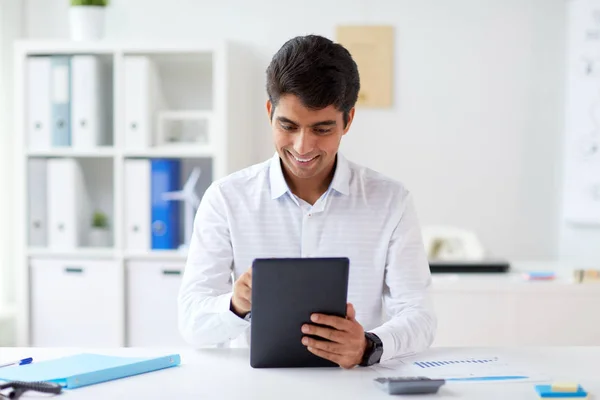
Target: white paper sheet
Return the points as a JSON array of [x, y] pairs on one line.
[[476, 369]]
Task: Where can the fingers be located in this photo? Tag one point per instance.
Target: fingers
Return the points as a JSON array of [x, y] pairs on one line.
[[330, 347], [326, 333], [244, 304], [350, 312], [246, 278], [244, 292], [342, 361], [336, 358], [339, 323]]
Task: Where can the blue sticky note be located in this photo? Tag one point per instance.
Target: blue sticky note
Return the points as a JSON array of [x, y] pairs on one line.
[[86, 369], [546, 391]]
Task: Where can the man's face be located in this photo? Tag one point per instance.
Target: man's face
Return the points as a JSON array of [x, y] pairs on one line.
[[307, 140]]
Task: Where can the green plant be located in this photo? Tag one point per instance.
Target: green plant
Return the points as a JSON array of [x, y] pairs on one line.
[[99, 220], [99, 3]]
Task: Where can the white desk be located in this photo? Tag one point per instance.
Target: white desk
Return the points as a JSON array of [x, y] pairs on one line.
[[226, 374]]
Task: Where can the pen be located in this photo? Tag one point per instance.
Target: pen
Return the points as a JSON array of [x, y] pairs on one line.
[[18, 362]]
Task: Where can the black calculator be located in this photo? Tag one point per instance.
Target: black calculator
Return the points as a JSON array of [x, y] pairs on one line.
[[410, 384]]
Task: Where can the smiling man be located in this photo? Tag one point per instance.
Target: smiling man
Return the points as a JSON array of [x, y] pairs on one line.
[[309, 201]]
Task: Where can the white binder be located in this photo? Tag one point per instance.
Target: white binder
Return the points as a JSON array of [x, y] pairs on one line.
[[143, 98], [137, 205], [39, 106], [36, 197], [90, 110], [68, 206]]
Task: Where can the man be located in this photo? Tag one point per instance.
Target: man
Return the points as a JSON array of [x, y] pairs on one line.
[[309, 201]]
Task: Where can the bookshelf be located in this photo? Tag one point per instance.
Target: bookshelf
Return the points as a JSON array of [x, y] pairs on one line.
[[196, 109]]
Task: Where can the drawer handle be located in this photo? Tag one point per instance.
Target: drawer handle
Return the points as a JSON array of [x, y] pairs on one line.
[[73, 270], [171, 272]]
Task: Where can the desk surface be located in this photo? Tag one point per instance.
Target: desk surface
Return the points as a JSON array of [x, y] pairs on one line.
[[226, 374]]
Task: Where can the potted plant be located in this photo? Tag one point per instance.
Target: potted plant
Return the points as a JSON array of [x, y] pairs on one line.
[[99, 232], [86, 18]]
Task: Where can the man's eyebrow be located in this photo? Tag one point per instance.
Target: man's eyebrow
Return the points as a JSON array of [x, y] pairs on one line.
[[328, 122], [286, 120]]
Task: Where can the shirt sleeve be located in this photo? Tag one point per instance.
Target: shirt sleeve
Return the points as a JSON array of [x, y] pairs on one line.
[[204, 313], [406, 296]]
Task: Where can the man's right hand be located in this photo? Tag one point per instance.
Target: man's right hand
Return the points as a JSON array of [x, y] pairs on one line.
[[241, 301]]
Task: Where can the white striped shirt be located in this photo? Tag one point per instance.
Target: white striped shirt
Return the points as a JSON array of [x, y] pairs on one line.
[[364, 216]]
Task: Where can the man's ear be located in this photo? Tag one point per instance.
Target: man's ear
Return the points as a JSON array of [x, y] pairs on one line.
[[269, 109], [350, 119]]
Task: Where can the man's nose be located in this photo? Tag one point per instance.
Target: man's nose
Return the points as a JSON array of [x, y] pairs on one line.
[[304, 143]]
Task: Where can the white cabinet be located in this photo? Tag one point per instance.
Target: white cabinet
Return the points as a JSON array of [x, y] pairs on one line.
[[505, 310], [76, 303], [152, 289], [472, 319]]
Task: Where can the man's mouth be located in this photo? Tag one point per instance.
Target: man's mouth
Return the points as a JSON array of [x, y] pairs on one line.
[[303, 160]]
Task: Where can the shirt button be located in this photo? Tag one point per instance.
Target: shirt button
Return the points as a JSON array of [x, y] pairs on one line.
[[310, 215]]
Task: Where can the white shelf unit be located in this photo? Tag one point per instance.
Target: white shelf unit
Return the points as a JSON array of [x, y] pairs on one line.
[[198, 81]]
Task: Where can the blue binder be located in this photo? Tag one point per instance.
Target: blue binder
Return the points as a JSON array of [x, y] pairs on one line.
[[86, 369], [164, 177], [61, 100]]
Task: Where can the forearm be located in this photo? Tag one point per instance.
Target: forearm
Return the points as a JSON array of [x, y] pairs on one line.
[[207, 320], [412, 331]]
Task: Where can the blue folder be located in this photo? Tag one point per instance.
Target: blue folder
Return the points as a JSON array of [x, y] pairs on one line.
[[86, 369], [165, 176]]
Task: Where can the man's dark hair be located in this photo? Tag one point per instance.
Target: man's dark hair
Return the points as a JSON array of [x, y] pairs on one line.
[[316, 70]]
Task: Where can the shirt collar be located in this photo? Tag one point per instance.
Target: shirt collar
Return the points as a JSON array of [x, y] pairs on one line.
[[278, 184], [339, 183], [341, 178]]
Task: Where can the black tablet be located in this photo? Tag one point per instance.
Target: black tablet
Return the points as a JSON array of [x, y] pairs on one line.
[[285, 292]]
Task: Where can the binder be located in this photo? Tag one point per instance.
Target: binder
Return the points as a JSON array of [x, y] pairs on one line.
[[61, 100], [90, 111], [36, 189], [165, 176], [39, 111], [68, 205], [143, 98], [86, 369], [137, 204]]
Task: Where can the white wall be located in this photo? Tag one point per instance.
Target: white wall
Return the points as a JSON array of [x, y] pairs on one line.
[[10, 29], [476, 127]]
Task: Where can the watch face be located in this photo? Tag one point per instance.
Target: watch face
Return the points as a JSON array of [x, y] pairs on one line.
[[375, 355], [376, 350]]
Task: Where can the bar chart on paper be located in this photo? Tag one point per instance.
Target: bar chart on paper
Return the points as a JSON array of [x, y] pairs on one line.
[[433, 364], [476, 369]]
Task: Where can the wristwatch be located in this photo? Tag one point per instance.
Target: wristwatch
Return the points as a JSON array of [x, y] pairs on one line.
[[373, 351]]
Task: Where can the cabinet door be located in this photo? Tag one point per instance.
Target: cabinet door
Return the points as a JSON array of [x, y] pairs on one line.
[[76, 303], [558, 318], [474, 318], [152, 289]]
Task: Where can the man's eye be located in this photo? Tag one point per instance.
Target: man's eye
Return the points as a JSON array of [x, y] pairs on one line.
[[322, 131], [287, 127]]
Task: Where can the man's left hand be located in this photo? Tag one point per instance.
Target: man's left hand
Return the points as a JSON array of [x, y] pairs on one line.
[[347, 338]]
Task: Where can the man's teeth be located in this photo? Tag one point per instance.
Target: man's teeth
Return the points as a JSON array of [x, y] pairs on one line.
[[303, 160]]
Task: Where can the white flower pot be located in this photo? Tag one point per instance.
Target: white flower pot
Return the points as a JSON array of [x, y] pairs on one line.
[[99, 237], [87, 22]]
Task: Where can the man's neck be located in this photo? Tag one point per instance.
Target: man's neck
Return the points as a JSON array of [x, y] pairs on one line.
[[310, 190]]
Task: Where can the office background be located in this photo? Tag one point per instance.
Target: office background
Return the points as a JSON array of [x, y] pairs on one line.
[[476, 130]]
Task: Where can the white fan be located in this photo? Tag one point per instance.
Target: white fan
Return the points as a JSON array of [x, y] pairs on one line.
[[188, 195]]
